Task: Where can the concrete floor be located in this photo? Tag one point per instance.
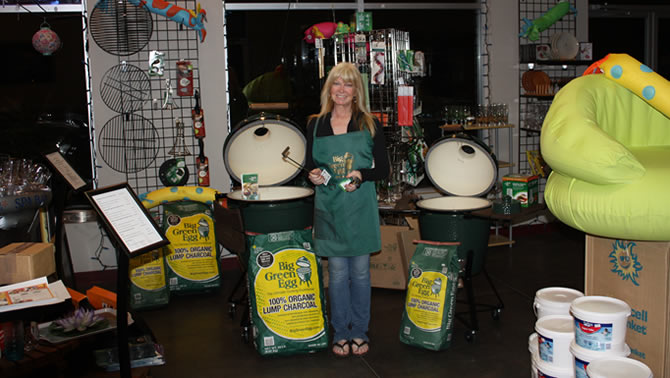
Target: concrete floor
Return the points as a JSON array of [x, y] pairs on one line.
[[201, 339]]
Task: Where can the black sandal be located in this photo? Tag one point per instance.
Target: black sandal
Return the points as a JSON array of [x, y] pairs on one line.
[[358, 347], [341, 345]]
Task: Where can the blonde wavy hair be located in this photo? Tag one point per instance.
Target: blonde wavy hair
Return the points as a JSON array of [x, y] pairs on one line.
[[359, 107]]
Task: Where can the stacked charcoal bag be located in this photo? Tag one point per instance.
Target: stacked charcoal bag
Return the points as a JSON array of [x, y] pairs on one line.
[[192, 257], [427, 320], [147, 281], [286, 298]]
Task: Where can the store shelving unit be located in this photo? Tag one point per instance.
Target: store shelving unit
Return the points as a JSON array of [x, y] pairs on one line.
[[532, 105]]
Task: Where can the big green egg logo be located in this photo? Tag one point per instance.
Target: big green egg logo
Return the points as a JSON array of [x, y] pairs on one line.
[[624, 261]]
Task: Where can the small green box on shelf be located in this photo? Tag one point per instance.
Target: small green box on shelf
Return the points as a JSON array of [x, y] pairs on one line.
[[523, 188]]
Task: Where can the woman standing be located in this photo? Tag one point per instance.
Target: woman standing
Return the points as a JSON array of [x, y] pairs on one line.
[[346, 154]]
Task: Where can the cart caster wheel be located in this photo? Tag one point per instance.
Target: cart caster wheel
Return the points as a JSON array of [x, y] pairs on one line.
[[470, 335], [231, 310], [495, 313], [245, 334]]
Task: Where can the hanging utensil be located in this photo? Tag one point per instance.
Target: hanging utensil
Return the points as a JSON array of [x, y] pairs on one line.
[[179, 148], [168, 101], [202, 162], [173, 172], [198, 116]]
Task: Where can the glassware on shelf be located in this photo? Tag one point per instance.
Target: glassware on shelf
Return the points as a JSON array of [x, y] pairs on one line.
[[22, 175]]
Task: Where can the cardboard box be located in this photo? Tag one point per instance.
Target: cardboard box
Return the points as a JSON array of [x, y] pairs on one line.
[[521, 188], [77, 297], [24, 261], [638, 273], [100, 298], [388, 267]]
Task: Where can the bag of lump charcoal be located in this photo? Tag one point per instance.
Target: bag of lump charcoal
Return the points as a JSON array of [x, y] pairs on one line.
[[192, 257], [147, 281], [428, 318], [286, 298]]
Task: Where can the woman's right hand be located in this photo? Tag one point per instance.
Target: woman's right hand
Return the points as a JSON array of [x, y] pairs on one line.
[[315, 176]]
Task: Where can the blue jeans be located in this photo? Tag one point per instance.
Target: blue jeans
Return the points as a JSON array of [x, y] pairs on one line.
[[349, 292]]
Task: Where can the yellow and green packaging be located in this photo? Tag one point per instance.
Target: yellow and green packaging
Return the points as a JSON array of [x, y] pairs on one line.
[[192, 257], [428, 318], [147, 281], [286, 297]]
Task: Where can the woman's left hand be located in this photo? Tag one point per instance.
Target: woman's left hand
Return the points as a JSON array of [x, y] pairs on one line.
[[353, 175]]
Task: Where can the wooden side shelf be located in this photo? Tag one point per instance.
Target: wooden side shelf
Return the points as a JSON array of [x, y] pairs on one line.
[[527, 213], [498, 240]]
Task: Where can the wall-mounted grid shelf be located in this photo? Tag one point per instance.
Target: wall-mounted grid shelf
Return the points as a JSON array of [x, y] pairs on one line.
[[533, 106]]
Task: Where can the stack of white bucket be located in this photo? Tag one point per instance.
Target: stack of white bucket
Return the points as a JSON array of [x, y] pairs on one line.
[[550, 345], [564, 344]]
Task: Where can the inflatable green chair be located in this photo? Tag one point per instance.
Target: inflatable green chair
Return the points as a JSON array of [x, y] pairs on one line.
[[609, 149]]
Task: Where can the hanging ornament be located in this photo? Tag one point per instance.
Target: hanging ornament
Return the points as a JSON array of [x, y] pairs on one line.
[[45, 40]]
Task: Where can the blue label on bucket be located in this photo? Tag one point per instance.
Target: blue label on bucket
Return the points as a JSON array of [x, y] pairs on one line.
[[580, 368], [546, 348], [540, 374], [593, 336]]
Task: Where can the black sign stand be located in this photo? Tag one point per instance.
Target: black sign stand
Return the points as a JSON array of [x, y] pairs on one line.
[[133, 232]]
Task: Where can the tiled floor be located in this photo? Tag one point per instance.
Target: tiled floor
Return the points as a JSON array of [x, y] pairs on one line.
[[201, 340]]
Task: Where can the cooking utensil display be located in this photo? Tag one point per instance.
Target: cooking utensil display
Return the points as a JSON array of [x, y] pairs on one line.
[[124, 88], [121, 28], [128, 143]]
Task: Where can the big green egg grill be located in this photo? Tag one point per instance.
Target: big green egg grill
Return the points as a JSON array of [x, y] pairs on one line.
[[463, 168], [255, 146]]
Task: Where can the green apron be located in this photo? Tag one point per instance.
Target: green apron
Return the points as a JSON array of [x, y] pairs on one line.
[[345, 223]]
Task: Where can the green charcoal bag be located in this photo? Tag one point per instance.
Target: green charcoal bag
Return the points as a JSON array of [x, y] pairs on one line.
[[192, 257], [286, 298], [147, 281], [428, 317]]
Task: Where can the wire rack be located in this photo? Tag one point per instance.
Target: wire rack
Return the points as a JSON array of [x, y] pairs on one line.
[[383, 97], [533, 106], [177, 43]]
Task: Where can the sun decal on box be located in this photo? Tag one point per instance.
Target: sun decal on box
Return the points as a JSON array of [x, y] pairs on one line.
[[624, 261]]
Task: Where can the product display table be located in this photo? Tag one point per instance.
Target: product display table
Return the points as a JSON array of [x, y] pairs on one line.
[[406, 207], [527, 213]]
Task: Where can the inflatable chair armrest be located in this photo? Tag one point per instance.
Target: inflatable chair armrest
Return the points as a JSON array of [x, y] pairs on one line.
[[572, 144]]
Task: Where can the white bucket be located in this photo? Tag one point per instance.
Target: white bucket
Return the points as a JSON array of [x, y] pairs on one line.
[[583, 357], [554, 301], [533, 366], [534, 355], [618, 367], [549, 370], [555, 333], [600, 323]]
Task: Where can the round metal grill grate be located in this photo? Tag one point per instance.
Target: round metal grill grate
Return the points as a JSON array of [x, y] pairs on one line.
[[121, 28], [128, 143], [124, 88]]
